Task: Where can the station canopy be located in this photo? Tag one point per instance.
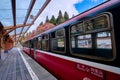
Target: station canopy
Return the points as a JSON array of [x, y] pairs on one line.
[[18, 15]]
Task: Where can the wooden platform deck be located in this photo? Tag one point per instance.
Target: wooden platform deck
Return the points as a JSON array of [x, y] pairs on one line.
[[13, 67]]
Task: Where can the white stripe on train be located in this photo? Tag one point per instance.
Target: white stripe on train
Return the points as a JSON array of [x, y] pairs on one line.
[[92, 64]]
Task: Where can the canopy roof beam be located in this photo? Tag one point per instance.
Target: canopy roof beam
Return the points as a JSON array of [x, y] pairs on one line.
[[17, 26], [14, 13], [40, 11], [28, 13], [10, 30]]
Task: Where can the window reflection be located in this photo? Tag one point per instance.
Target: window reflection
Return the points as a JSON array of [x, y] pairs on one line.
[[96, 23], [73, 42], [104, 40], [58, 41], [84, 41]]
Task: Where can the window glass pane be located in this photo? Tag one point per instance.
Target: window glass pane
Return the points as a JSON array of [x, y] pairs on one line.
[[54, 44], [78, 28], [44, 44], [52, 35], [36, 43], [84, 41], [84, 36], [104, 40], [80, 37], [60, 33], [73, 29], [104, 34], [97, 23], [61, 42], [89, 25], [58, 44], [26, 44], [39, 42], [73, 42], [45, 36], [100, 22], [31, 44]]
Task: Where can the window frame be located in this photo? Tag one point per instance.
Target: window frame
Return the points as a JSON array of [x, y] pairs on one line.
[[39, 43], [98, 30], [45, 39], [109, 28], [59, 37]]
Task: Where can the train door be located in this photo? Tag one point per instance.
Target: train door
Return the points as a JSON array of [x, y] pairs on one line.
[[35, 46], [31, 46]]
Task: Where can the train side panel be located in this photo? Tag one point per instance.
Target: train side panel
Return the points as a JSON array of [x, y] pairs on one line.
[[65, 69]]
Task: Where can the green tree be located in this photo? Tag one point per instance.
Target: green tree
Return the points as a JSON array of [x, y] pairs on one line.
[[53, 20], [41, 23], [66, 16], [60, 18], [47, 19]]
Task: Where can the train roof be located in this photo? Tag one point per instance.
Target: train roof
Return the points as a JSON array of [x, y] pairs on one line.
[[93, 11]]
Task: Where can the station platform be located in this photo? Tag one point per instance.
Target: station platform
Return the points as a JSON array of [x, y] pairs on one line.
[[18, 66]]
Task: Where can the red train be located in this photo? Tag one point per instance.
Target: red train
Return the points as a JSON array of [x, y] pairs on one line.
[[85, 47]]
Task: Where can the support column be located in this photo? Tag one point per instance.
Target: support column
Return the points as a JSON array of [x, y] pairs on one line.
[[1, 29], [0, 44]]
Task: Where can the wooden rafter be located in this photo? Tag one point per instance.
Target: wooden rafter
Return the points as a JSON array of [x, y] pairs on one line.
[[40, 11], [14, 13], [28, 12], [17, 26], [10, 30]]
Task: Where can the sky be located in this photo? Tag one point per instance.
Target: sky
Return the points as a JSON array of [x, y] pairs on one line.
[[73, 7]]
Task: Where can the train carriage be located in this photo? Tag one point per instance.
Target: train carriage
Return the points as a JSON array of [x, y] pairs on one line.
[[86, 47]]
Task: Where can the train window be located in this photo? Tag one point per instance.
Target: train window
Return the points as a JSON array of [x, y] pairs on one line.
[[81, 41], [104, 40], [39, 42], [73, 29], [84, 41], [96, 41], [31, 43], [98, 23], [60, 33], [25, 44], [58, 43], [45, 36], [44, 45], [52, 35], [78, 28], [73, 42], [45, 40]]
